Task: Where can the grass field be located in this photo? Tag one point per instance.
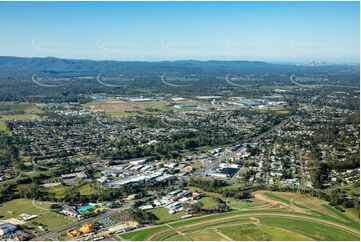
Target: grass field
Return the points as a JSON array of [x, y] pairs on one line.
[[208, 202], [235, 204], [48, 219], [143, 234], [319, 221], [164, 216], [261, 232]]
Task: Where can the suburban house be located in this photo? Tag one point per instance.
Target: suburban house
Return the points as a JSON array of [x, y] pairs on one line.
[[69, 211]]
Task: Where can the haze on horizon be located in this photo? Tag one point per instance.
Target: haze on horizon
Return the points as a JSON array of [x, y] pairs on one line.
[[268, 31]]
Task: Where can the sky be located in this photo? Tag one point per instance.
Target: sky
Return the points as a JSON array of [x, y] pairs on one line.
[[152, 31]]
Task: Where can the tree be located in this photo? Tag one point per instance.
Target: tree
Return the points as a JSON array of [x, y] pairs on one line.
[[72, 196], [221, 207]]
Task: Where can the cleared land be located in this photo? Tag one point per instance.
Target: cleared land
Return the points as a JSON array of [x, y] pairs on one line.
[[17, 111], [115, 107], [280, 218]]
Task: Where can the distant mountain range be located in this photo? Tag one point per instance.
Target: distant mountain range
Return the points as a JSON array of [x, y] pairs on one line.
[[52, 64], [57, 64]]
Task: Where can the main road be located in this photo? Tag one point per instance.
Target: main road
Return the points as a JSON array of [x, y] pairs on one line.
[[54, 234], [229, 154]]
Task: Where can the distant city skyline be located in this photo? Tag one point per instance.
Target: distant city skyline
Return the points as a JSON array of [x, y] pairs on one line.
[[154, 31]]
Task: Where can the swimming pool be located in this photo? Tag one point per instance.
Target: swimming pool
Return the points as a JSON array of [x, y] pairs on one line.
[[85, 208]]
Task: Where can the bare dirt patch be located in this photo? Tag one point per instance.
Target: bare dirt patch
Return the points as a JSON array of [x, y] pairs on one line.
[[261, 197]]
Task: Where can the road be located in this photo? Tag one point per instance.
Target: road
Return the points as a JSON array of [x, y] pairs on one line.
[[227, 156], [53, 234]]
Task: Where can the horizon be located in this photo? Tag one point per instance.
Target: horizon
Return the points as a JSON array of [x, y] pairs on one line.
[[275, 32], [356, 62]]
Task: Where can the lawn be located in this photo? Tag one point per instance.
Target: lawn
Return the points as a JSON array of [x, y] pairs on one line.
[[48, 219], [208, 202], [163, 215], [209, 235], [142, 234], [316, 231], [261, 232], [177, 237]]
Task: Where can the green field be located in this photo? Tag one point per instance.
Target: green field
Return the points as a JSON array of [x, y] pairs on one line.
[[48, 219], [264, 223], [210, 202], [261, 232], [142, 234], [163, 215]]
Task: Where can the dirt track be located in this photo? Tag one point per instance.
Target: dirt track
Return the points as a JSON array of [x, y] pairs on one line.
[[262, 198]]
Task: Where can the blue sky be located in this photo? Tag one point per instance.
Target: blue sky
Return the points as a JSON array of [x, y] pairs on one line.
[[271, 31]]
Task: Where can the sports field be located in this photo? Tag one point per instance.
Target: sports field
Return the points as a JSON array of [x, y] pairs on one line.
[[280, 216]]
